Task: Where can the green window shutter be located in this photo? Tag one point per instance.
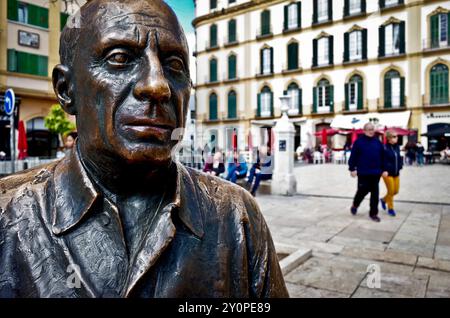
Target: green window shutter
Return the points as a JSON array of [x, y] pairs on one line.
[[42, 66], [292, 56], [12, 60], [315, 12], [64, 17], [13, 10], [299, 14], [300, 101], [347, 96], [232, 31], [330, 10], [402, 92], [315, 51], [434, 21], [381, 3], [346, 47], [360, 95], [213, 36], [38, 16], [364, 44], [331, 94], [331, 49], [258, 108], [346, 8], [387, 93], [232, 113], [261, 61], [271, 60], [286, 17], [448, 28], [381, 39], [402, 37], [363, 6], [314, 110], [213, 107], [232, 67], [265, 22], [271, 104], [213, 70]]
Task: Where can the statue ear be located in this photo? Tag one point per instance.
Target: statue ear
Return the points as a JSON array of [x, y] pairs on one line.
[[63, 87]]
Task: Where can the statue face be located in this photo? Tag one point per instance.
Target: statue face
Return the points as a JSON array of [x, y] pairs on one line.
[[132, 82]]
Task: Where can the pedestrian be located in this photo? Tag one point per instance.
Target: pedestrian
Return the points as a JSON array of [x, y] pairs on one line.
[[261, 169], [393, 163], [420, 153], [237, 169], [410, 153], [214, 166], [367, 163]]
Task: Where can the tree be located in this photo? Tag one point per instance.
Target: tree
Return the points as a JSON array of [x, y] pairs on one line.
[[57, 122]]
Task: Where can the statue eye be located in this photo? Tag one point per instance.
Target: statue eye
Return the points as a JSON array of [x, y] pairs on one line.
[[118, 59], [175, 64]]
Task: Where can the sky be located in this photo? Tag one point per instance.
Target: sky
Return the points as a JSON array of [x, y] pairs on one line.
[[185, 12]]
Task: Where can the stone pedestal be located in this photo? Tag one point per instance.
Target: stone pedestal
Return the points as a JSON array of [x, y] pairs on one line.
[[283, 179]]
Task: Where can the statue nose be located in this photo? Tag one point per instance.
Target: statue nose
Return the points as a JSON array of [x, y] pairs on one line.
[[153, 84]]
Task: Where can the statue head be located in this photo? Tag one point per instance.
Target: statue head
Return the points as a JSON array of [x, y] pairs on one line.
[[124, 74]]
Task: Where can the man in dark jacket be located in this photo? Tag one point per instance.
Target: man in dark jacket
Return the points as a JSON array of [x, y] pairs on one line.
[[367, 162]]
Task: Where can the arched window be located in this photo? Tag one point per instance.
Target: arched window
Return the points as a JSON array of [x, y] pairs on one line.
[[213, 70], [232, 67], [439, 27], [232, 31], [439, 84], [213, 106], [266, 62], [232, 105], [292, 56], [213, 36], [323, 99], [354, 95], [295, 103], [265, 103], [394, 90]]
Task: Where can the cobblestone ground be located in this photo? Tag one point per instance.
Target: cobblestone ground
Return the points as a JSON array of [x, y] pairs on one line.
[[412, 249]]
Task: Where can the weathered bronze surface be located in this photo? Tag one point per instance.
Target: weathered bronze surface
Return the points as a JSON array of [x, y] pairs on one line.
[[117, 217]]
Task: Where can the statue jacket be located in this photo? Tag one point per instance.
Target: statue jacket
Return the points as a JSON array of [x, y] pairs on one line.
[[61, 237]]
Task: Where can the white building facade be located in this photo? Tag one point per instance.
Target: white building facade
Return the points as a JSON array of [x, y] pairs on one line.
[[340, 61]]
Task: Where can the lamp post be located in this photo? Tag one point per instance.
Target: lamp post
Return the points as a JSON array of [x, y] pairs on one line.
[[283, 179]]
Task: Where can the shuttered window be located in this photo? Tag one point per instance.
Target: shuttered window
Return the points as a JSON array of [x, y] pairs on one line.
[[232, 67], [293, 56], [213, 70], [27, 63], [213, 106], [232, 105], [439, 84], [232, 31]]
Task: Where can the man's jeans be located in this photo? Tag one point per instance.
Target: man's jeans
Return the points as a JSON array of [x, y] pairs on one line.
[[368, 184], [258, 176]]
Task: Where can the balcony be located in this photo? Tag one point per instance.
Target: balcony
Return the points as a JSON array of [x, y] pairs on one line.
[[388, 7], [208, 80], [211, 46], [228, 79], [259, 73], [382, 107], [430, 46], [288, 70], [228, 43], [264, 33]]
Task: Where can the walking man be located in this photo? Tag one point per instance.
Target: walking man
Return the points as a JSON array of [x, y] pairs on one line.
[[367, 162]]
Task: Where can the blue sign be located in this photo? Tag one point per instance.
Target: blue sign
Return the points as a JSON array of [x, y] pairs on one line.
[[10, 101]]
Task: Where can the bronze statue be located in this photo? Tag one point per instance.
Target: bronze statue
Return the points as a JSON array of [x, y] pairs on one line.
[[117, 217]]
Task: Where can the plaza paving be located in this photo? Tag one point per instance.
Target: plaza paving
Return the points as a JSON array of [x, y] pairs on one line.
[[412, 249]]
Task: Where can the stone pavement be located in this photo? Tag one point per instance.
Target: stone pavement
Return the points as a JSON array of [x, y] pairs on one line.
[[412, 250]]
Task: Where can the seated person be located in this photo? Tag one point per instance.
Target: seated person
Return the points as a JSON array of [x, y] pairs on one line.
[[237, 169], [261, 170], [214, 165]]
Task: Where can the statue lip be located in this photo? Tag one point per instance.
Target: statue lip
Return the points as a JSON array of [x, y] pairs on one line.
[[148, 122]]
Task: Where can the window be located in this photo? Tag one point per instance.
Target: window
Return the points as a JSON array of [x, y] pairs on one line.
[[292, 16], [231, 1], [356, 45], [354, 6], [265, 103], [265, 23], [213, 70], [394, 90], [439, 84], [322, 10], [292, 56], [232, 31], [232, 67], [323, 58], [27, 63], [440, 30], [323, 97], [212, 4], [213, 36], [267, 61], [295, 102], [22, 13], [392, 39], [213, 107], [232, 107], [354, 93], [388, 3]]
